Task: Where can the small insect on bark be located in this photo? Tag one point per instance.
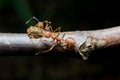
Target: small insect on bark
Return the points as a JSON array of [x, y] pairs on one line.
[[43, 29], [69, 41]]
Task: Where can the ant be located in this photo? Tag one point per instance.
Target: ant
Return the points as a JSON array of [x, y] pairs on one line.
[[44, 29], [69, 42]]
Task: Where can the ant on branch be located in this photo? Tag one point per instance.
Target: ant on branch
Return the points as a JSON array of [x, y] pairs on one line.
[[69, 41], [44, 29]]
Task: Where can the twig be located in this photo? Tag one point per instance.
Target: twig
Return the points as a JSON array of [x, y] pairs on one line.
[[86, 41]]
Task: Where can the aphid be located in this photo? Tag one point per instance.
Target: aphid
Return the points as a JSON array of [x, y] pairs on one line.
[[34, 32]]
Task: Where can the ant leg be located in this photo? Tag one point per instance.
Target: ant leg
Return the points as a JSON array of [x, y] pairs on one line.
[[58, 29], [47, 25], [58, 33], [63, 37], [40, 50], [46, 22], [49, 49], [37, 53], [50, 29], [32, 19], [63, 41]]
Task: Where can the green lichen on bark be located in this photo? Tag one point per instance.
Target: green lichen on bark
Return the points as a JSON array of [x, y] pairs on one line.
[[86, 48]]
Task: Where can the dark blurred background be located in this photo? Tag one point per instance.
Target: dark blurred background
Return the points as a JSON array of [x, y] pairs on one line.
[[71, 15]]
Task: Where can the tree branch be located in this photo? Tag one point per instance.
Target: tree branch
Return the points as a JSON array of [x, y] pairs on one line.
[[85, 42]]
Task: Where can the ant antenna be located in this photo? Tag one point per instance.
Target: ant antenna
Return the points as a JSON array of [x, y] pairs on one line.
[[32, 19]]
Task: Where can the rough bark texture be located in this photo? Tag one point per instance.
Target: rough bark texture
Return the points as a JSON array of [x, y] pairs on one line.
[[86, 41]]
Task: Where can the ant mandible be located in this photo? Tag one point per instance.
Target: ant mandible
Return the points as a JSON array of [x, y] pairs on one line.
[[44, 29]]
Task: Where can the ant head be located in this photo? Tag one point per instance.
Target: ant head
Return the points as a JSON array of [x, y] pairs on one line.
[[41, 25]]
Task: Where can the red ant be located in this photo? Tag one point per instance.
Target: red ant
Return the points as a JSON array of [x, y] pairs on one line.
[[69, 41], [44, 28]]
